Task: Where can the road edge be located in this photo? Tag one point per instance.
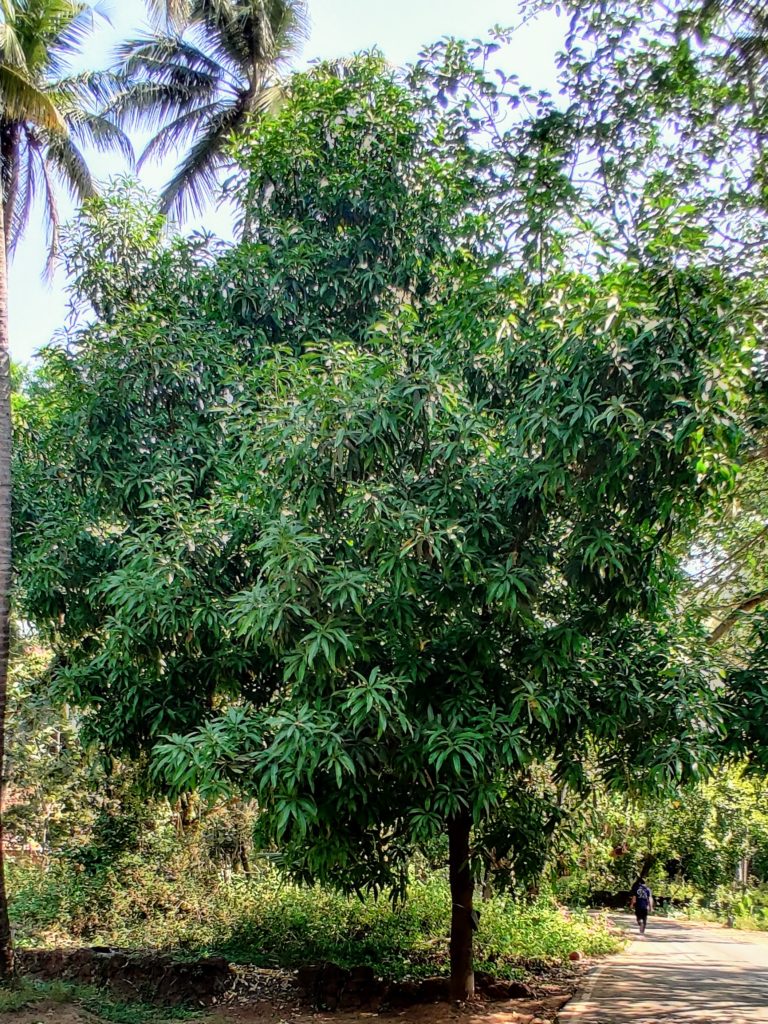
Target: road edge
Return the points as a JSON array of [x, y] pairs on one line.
[[575, 1006], [580, 999]]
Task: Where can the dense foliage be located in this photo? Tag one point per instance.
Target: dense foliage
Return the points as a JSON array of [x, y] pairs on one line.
[[690, 846], [379, 509], [669, 101], [404, 516]]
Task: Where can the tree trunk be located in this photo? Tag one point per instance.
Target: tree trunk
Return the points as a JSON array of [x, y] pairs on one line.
[[184, 813], [9, 154], [648, 861], [487, 883], [6, 944], [462, 889], [749, 604]]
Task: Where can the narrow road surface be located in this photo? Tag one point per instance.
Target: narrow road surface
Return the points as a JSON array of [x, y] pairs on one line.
[[678, 973]]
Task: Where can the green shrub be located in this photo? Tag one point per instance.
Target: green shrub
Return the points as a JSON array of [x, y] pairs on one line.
[[539, 931], [27, 992], [189, 908], [288, 926]]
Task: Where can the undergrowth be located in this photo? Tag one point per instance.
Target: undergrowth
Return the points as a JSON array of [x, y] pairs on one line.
[[287, 926], [265, 921], [26, 993]]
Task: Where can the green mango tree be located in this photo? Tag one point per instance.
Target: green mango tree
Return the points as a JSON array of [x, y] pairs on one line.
[[373, 512]]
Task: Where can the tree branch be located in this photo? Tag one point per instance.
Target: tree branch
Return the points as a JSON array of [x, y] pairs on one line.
[[747, 605]]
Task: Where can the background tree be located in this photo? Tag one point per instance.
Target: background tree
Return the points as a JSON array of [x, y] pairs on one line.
[[198, 82], [53, 780], [676, 95], [690, 844], [45, 113]]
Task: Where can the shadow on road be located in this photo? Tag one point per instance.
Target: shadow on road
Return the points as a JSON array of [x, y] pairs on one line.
[[680, 973]]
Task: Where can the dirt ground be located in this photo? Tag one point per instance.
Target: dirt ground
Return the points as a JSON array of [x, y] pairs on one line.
[[512, 1012], [262, 996], [45, 1012]]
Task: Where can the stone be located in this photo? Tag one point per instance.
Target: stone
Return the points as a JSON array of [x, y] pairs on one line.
[[402, 993], [519, 990], [434, 990], [307, 978], [497, 990]]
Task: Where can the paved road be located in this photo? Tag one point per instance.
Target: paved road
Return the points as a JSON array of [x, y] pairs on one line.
[[678, 974]]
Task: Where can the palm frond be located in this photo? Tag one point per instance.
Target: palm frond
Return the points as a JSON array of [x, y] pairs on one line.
[[51, 109], [170, 12], [101, 133], [240, 32], [201, 85], [23, 100], [743, 22], [102, 9], [179, 131], [750, 51], [11, 171], [224, 26], [75, 23], [88, 88], [54, 31], [712, 9], [152, 104], [25, 196], [51, 210], [256, 35], [162, 57], [11, 50], [291, 31], [195, 179], [63, 156], [268, 98]]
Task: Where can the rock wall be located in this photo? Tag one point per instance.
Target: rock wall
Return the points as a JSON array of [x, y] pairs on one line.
[[331, 987], [150, 977], [158, 978]]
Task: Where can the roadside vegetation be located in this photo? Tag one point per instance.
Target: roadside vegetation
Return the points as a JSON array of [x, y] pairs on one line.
[[265, 921]]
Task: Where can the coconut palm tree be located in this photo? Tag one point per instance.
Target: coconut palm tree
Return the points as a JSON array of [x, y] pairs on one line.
[[46, 114], [195, 80]]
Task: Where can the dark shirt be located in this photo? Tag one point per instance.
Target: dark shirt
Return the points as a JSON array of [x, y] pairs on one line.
[[643, 896]]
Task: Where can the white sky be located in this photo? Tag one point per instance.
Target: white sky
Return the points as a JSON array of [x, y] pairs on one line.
[[399, 27]]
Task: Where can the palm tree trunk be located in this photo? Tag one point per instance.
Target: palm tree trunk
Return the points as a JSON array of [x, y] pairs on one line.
[[6, 943], [9, 153]]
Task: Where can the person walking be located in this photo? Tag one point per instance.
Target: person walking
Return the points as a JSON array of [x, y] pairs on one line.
[[642, 901]]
